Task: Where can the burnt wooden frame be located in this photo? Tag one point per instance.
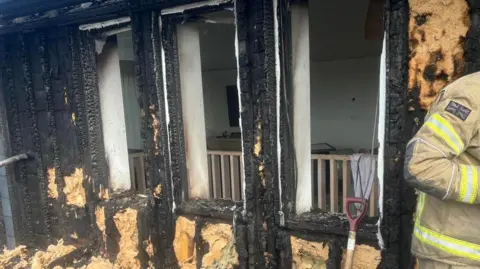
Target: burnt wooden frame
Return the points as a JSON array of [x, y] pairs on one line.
[[46, 76], [255, 30], [175, 125], [327, 224]]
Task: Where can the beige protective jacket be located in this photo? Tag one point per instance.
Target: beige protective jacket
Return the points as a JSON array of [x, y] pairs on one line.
[[442, 162]]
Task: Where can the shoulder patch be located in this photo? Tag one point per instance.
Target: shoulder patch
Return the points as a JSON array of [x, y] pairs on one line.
[[460, 111]]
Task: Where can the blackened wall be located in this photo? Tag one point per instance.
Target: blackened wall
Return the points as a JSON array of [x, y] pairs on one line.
[[48, 80], [42, 83]]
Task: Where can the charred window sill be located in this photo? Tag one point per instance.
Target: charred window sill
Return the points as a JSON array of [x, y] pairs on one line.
[[333, 224], [215, 208]]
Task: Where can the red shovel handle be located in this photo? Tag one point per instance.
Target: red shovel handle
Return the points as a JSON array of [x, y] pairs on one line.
[[354, 221]]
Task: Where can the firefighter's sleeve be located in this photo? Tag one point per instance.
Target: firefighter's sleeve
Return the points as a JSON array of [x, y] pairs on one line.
[[430, 158]]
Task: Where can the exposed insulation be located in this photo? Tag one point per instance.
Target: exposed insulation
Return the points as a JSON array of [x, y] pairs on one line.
[[126, 224], [437, 30], [100, 219], [148, 247], [222, 253], [52, 186], [365, 257], [155, 127], [74, 191], [15, 259], [308, 255], [103, 194], [184, 243], [99, 263], [258, 143], [157, 192], [42, 259]]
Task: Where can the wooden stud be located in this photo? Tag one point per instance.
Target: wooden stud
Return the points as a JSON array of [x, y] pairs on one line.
[[226, 180], [333, 186], [235, 177], [322, 192], [216, 177], [345, 165], [242, 178]]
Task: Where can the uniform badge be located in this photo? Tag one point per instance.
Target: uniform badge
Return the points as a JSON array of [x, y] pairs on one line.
[[458, 110]]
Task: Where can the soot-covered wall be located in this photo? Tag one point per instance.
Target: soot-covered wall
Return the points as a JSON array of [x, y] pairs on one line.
[[41, 78], [49, 85]]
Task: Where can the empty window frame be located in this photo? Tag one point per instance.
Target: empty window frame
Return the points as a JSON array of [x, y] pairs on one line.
[[120, 110], [335, 69], [203, 44]]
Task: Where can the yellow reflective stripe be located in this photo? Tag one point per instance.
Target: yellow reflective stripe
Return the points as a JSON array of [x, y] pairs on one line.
[[420, 206], [468, 184], [422, 203], [447, 244], [441, 127]]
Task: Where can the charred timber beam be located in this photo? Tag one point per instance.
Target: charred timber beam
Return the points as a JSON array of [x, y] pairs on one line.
[[159, 118], [174, 100], [97, 12], [99, 170], [53, 154], [13, 9], [257, 61], [217, 208], [20, 195], [396, 226], [335, 254], [251, 57], [40, 171], [4, 129], [78, 93], [333, 225], [150, 87], [34, 168]]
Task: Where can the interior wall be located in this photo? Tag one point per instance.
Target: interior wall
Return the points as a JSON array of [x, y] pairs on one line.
[[113, 115], [215, 97], [334, 85], [343, 100], [130, 95]]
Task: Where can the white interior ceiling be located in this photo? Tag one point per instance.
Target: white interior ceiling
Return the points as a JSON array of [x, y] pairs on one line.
[[336, 33], [337, 30]]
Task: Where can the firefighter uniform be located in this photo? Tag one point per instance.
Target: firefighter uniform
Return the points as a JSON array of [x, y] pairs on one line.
[[442, 162]]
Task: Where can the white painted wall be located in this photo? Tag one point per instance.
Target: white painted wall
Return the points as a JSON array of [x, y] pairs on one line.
[[113, 119], [336, 119], [130, 96], [133, 124], [125, 46], [301, 110], [190, 68], [215, 99], [333, 85]]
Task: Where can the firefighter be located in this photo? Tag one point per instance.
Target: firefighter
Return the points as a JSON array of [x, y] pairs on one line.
[[441, 163]]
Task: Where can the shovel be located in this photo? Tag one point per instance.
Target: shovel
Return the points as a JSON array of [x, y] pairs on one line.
[[353, 222]]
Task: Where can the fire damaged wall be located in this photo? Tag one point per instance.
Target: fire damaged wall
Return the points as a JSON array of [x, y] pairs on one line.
[[437, 32], [204, 243], [41, 81], [48, 80]]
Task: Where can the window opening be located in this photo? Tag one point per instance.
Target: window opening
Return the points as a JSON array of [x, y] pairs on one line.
[[335, 69], [210, 109], [120, 109]]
